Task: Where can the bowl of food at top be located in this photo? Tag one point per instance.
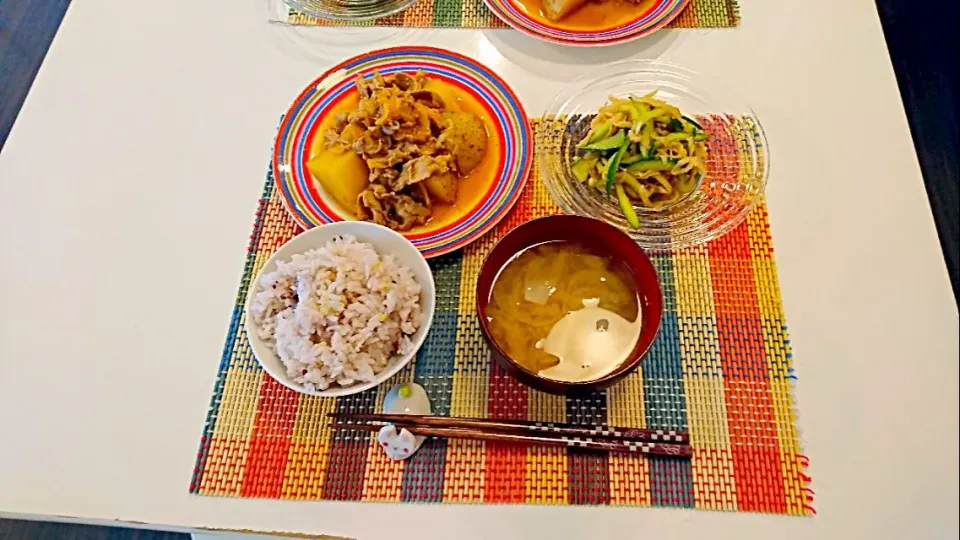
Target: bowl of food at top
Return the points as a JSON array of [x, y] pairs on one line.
[[587, 22], [353, 11], [420, 140], [340, 308], [568, 304], [671, 157]]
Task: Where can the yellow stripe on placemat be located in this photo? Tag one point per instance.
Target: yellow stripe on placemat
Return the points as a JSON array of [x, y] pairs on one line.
[[629, 475], [715, 13], [470, 384], [309, 449], [412, 16], [470, 370], [474, 14], [231, 434], [713, 478], [383, 480], [543, 484], [461, 483]]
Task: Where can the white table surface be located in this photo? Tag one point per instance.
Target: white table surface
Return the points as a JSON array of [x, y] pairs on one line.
[[127, 189]]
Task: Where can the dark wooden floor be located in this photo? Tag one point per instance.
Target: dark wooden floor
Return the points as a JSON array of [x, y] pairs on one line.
[[923, 39], [922, 36], [35, 530], [26, 29]]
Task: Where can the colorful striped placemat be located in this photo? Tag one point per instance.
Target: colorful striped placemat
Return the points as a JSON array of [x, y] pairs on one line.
[[720, 368], [474, 14]]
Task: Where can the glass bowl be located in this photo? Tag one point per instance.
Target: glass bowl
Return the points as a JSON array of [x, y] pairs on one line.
[[349, 10], [297, 38], [737, 153]]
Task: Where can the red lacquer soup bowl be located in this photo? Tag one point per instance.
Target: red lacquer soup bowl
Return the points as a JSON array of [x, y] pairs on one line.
[[601, 238]]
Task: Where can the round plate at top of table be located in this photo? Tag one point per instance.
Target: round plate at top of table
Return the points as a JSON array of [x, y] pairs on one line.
[[651, 16], [310, 206]]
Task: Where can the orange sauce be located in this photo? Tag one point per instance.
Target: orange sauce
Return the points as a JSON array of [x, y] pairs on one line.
[[594, 15], [472, 187]]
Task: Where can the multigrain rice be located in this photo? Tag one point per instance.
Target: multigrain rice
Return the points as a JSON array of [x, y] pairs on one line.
[[337, 315]]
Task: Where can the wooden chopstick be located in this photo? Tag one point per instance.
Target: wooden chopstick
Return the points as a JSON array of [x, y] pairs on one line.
[[523, 426], [606, 445]]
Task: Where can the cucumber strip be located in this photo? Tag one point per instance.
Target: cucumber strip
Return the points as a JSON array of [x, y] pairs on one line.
[[598, 133], [627, 208], [615, 164], [581, 169], [610, 143]]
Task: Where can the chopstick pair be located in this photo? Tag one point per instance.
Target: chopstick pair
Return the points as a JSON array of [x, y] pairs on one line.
[[602, 438]]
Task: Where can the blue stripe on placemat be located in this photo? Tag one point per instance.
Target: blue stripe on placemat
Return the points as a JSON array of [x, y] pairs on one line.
[[664, 400], [434, 366], [423, 473], [671, 481]]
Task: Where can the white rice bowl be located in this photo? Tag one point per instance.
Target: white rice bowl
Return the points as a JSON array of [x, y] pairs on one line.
[[342, 315]]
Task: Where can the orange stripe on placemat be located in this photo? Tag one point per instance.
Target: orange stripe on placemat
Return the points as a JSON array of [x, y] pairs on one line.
[[270, 440], [506, 464], [309, 449], [739, 330], [688, 17], [521, 213], [418, 15], [383, 478], [713, 479], [759, 479], [224, 466], [755, 452], [756, 456], [629, 480], [750, 412]]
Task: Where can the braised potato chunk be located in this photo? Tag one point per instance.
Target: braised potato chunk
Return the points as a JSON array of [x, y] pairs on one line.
[[342, 173], [466, 139]]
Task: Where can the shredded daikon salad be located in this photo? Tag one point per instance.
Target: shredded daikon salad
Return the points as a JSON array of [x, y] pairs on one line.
[[644, 150]]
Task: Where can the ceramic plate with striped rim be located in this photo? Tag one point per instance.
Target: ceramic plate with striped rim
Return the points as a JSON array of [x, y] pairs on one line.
[[510, 142], [656, 15]]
